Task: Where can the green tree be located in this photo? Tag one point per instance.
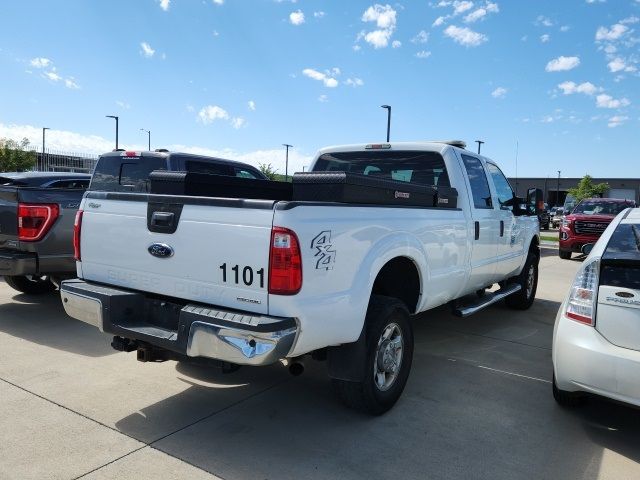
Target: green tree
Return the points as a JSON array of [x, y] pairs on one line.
[[16, 156], [587, 189], [268, 171]]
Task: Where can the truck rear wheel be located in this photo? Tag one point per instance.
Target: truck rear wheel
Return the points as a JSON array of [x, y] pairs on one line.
[[31, 284], [389, 351], [528, 280]]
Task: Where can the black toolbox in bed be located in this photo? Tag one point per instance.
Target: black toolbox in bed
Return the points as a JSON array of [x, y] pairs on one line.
[[356, 188], [209, 185]]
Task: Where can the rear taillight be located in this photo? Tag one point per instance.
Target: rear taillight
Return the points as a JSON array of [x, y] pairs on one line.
[[77, 227], [581, 305], [35, 220], [285, 262]]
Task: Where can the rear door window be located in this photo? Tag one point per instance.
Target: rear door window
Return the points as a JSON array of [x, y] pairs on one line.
[[211, 168]]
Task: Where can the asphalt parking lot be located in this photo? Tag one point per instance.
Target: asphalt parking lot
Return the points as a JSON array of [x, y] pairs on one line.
[[477, 405]]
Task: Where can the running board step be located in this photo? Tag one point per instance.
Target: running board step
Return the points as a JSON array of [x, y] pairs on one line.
[[488, 299]]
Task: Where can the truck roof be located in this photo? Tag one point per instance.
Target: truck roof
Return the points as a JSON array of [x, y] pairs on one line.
[[43, 175], [430, 146]]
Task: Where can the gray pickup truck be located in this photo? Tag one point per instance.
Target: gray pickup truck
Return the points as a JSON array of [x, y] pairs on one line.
[[37, 211]]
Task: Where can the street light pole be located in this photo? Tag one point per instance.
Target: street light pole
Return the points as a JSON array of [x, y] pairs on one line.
[[149, 134], [388, 107], [286, 165], [558, 190], [479, 142], [44, 129], [116, 118]]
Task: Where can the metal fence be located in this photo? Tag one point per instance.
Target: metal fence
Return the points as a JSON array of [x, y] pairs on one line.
[[61, 161]]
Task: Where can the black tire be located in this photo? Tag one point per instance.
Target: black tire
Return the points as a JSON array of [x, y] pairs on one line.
[[30, 284], [567, 399], [528, 280], [564, 254], [366, 395]]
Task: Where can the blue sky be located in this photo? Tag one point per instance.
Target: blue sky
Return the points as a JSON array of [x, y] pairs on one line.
[[561, 79]]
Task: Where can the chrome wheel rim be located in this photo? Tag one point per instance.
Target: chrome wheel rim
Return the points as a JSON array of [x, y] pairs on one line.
[[388, 358], [531, 277]]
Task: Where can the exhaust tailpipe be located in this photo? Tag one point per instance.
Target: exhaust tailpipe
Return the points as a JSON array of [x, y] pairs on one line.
[[296, 368]]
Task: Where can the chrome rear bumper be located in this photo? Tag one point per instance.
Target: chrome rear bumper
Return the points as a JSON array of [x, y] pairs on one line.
[[192, 330]]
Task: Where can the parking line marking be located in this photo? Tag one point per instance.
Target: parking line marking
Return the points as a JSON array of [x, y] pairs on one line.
[[514, 374]]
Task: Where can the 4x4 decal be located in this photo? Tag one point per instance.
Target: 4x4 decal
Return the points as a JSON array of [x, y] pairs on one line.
[[326, 256]]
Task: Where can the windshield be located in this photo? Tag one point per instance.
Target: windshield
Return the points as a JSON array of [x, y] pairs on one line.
[[600, 207]]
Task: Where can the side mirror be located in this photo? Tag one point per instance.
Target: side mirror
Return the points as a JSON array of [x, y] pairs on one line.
[[535, 202]]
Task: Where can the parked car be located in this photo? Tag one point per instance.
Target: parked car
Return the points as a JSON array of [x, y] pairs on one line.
[[332, 265], [544, 219], [37, 210], [586, 223], [596, 339], [556, 219]]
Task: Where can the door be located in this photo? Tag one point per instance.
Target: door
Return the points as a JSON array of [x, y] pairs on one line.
[[511, 239], [485, 225]]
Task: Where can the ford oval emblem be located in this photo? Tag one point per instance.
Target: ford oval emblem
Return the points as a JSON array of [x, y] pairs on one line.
[[160, 250], [624, 294]]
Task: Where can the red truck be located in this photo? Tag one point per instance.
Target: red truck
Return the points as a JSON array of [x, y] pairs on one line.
[[587, 221]]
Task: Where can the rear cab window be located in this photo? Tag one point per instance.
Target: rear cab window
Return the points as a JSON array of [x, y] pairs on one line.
[[115, 173], [425, 168]]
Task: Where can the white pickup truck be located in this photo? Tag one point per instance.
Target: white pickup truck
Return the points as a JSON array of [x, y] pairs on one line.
[[333, 265]]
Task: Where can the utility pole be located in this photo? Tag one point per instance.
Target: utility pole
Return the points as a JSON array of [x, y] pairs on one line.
[[44, 129], [116, 118], [558, 191], [479, 142], [149, 134], [388, 107], [286, 165]]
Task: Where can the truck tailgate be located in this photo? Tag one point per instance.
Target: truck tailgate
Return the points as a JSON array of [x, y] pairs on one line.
[[217, 255]]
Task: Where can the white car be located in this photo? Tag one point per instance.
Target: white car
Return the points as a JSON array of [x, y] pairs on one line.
[[596, 339]]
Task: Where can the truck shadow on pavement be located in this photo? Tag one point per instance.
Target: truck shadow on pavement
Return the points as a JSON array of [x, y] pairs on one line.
[[41, 319], [455, 419]]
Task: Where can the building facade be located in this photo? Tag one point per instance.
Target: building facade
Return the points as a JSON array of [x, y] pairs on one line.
[[555, 190]]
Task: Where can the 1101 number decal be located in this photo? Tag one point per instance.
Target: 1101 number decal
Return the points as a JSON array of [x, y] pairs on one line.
[[245, 275]]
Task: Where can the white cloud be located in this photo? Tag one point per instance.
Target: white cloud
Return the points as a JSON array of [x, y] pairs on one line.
[[499, 92], [396, 44], [543, 21], [562, 64], [384, 16], [421, 37], [438, 21], [211, 113], [461, 6], [53, 76], [147, 51], [71, 83], [164, 4], [252, 105], [465, 36], [618, 64], [218, 2], [123, 105], [545, 38], [354, 82], [614, 33], [596, 1], [630, 20], [323, 98], [565, 28], [328, 81], [238, 122], [318, 14], [40, 62], [356, 48], [423, 54], [607, 101], [617, 120], [482, 12], [569, 88], [296, 18]]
